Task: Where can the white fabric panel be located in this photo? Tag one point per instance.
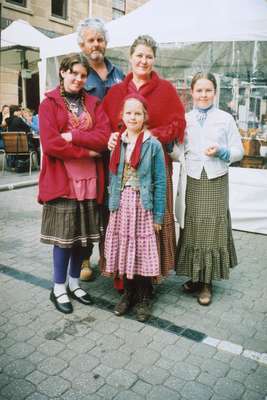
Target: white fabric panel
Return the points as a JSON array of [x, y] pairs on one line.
[[248, 199]]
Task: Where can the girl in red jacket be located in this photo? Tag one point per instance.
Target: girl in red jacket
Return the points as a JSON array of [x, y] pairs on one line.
[[74, 130]]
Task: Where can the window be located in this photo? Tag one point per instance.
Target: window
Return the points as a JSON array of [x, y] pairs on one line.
[[22, 3], [118, 8], [59, 9]]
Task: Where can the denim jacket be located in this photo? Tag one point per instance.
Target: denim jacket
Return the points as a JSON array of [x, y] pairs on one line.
[[99, 88], [152, 179]]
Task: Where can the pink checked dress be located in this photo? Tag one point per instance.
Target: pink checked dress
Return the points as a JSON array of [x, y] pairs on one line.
[[130, 244]]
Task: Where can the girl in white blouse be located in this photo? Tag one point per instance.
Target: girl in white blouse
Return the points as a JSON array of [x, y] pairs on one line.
[[206, 249]]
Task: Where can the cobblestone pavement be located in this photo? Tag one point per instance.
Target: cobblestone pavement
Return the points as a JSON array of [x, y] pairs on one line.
[[185, 352]]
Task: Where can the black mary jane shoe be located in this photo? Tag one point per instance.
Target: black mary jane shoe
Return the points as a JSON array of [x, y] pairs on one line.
[[65, 308], [85, 299]]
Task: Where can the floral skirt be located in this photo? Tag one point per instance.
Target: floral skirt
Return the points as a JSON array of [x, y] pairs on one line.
[[130, 243], [206, 248]]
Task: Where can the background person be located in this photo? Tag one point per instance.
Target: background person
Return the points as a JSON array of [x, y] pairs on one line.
[[73, 130], [206, 249], [92, 39], [166, 123]]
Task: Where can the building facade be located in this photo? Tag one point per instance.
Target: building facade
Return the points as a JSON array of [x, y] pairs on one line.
[[53, 18]]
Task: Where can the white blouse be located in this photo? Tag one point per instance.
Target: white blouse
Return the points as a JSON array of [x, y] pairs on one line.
[[219, 129]]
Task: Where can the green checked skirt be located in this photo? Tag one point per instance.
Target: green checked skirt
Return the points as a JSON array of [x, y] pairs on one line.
[[206, 248]]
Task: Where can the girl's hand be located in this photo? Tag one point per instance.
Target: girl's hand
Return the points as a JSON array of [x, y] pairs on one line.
[[157, 227], [67, 136], [113, 140], [93, 153], [211, 151]]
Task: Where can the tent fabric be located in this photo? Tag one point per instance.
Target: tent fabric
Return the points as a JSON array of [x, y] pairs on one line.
[[21, 33], [177, 21], [248, 194]]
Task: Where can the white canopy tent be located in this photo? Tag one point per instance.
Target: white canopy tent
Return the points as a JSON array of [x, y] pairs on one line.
[[178, 21], [229, 34], [20, 47]]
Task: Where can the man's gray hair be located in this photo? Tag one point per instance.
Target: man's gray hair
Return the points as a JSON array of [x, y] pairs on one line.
[[96, 24]]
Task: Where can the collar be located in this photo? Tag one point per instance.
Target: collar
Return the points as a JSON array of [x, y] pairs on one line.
[[125, 139]]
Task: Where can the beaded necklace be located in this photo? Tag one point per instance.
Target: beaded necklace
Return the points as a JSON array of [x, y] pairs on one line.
[[73, 108]]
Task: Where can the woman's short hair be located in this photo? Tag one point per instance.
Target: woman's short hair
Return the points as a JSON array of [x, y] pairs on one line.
[[96, 24], [146, 40], [69, 61], [204, 75]]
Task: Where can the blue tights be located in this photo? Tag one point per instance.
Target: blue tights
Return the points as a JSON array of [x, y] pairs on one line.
[[62, 257]]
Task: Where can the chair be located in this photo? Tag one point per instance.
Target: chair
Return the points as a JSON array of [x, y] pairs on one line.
[[16, 144]]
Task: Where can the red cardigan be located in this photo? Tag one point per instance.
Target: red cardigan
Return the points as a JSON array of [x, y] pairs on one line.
[[165, 110], [53, 119]]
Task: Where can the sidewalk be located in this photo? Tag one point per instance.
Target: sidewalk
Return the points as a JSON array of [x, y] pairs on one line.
[[185, 352]]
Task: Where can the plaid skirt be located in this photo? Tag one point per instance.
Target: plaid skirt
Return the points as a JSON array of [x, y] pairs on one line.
[[206, 248], [130, 242], [67, 223]]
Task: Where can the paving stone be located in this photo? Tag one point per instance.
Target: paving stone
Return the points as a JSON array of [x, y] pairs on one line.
[[52, 366], [223, 356], [53, 386], [175, 383], [256, 382], [165, 363], [107, 392], [110, 342], [202, 350], [37, 396], [88, 384], [229, 388], [20, 350], [102, 370], [237, 375], [81, 345], [73, 395], [244, 364], [127, 394], [36, 377], [84, 362], [251, 395], [194, 390], [19, 368], [17, 389], [115, 359], [161, 392], [36, 357], [106, 326], [207, 379], [4, 379], [142, 388], [185, 371], [21, 334], [175, 353], [51, 348], [153, 375], [145, 356], [121, 379], [215, 367]]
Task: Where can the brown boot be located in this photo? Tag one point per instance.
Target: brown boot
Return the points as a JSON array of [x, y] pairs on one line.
[[86, 271], [205, 296], [127, 299], [143, 306]]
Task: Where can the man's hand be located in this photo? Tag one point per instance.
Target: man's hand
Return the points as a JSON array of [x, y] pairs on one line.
[[157, 227], [113, 140]]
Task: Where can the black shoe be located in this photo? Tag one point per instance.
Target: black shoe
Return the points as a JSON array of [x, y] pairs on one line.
[[85, 299], [65, 308]]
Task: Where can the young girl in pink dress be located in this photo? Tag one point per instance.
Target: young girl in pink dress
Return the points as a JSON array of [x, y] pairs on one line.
[[137, 204]]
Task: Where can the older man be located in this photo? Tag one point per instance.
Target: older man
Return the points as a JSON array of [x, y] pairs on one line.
[[92, 39]]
